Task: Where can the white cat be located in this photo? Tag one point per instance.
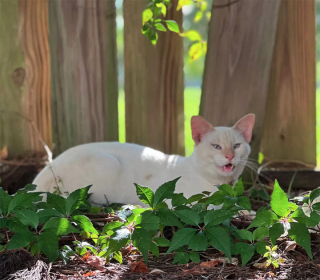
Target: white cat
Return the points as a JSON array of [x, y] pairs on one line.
[[219, 157]]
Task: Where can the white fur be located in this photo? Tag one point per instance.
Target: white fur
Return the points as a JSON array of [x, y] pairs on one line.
[[112, 168]]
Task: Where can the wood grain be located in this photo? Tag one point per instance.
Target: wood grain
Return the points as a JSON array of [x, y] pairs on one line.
[[24, 76], [153, 83], [84, 72], [237, 68], [290, 123]]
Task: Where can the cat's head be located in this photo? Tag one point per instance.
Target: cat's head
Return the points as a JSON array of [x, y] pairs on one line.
[[222, 150]]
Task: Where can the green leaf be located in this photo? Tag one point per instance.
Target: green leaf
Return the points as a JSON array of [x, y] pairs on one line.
[[165, 191], [229, 202], [226, 189], [279, 201], [76, 199], [199, 207], [198, 16], [27, 188], [35, 250], [163, 8], [161, 205], [118, 256], [135, 214], [154, 249], [146, 15], [148, 220], [167, 217], [264, 219], [238, 188], [314, 194], [142, 240], [261, 247], [27, 217], [172, 26], [20, 240], [293, 206], [195, 197], [48, 244], [316, 206], [189, 217], [57, 202], [215, 217], [23, 201], [245, 250], [245, 234], [3, 222], [111, 226], [275, 232], [118, 240], [162, 242], [216, 199], [219, 239], [182, 3], [260, 233], [15, 225], [46, 214], [260, 158], [84, 223], [145, 194], [178, 199], [160, 27], [302, 218], [5, 200], [194, 257], [300, 234], [95, 209], [59, 226], [192, 35], [244, 202], [181, 258], [198, 242], [181, 238]]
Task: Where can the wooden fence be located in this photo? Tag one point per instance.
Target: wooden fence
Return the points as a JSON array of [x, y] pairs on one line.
[[58, 69]]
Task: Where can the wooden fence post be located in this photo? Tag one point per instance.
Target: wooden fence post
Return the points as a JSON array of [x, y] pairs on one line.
[[24, 76], [290, 122], [84, 72], [237, 68], [153, 83]]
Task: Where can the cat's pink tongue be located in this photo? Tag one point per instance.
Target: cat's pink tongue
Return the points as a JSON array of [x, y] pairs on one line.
[[228, 168]]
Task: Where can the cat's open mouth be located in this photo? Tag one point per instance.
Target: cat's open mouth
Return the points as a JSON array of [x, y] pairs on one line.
[[227, 168]]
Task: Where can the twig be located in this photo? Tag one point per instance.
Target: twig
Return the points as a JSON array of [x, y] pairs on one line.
[[291, 182]]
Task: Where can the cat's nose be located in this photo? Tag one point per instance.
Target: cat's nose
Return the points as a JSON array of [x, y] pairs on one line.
[[229, 156]]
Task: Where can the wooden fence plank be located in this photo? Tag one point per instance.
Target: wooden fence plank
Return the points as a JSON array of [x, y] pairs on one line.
[[237, 67], [84, 72], [153, 83], [290, 123], [24, 76]]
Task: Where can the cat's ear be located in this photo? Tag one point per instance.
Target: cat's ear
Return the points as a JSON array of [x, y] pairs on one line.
[[199, 127], [245, 126]]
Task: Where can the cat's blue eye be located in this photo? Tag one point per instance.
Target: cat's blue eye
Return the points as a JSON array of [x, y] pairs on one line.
[[236, 146], [218, 147]]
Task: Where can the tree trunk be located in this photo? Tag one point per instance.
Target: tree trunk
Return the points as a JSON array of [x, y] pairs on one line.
[[290, 123], [84, 72], [25, 115], [237, 67], [153, 83]]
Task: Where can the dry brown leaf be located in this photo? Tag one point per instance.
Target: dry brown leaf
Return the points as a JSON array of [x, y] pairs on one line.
[[260, 265], [139, 267], [157, 271], [291, 245], [4, 153], [197, 270], [211, 264], [271, 273], [96, 262], [91, 273]]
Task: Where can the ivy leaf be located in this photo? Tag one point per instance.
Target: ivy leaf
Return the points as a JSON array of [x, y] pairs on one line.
[[162, 242], [46, 214], [5, 200], [154, 249], [59, 226], [216, 199], [198, 242], [20, 240], [148, 220], [146, 15], [135, 214], [172, 26], [178, 199], [238, 188], [165, 191], [194, 198], [181, 258], [245, 234], [219, 239], [215, 217], [279, 201], [229, 202], [84, 223], [293, 206], [260, 233], [302, 218], [275, 232], [76, 199], [314, 194], [189, 217], [226, 189], [244, 202], [3, 222], [142, 240], [118, 256], [14, 224], [194, 257], [264, 219], [167, 218], [27, 188], [199, 207], [261, 247], [23, 201], [48, 244], [316, 206], [300, 234], [57, 202], [145, 194], [117, 241], [27, 217], [111, 226], [245, 250], [181, 238]]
